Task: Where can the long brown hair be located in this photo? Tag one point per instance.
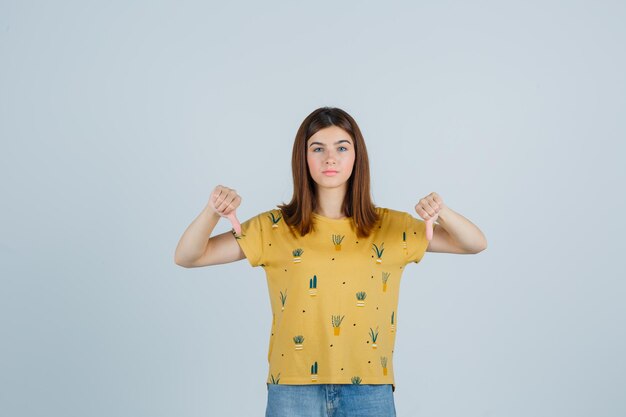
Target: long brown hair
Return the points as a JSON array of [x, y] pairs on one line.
[[357, 202]]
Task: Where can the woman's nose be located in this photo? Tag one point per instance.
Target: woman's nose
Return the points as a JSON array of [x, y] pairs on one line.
[[331, 157]]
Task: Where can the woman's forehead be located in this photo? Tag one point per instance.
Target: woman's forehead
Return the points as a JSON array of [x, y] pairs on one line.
[[330, 135]]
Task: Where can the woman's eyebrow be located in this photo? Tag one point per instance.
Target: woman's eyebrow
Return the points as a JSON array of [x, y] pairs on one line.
[[336, 143]]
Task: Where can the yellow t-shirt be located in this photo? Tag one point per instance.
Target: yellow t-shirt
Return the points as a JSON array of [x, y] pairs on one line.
[[334, 297]]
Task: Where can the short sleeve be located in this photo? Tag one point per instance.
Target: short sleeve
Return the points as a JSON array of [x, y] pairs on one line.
[[251, 239], [415, 239]]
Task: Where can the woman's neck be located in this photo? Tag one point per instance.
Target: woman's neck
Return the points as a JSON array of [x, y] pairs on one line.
[[330, 203]]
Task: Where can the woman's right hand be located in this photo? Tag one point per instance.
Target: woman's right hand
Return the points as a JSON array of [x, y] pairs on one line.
[[224, 201]]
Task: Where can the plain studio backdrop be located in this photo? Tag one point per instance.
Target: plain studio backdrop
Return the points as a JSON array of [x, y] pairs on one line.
[[118, 119]]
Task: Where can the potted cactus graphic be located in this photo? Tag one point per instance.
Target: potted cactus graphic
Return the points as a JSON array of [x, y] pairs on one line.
[[393, 325], [298, 341], [314, 372], [383, 362], [356, 380], [313, 286], [374, 336], [283, 299], [385, 278], [360, 298], [337, 241], [236, 235], [379, 252], [336, 320], [274, 219], [296, 254], [404, 240], [274, 380]]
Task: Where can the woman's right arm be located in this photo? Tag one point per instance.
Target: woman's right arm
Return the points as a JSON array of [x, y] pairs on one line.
[[196, 246]]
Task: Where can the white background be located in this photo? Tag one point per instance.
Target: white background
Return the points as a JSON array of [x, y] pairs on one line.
[[118, 119]]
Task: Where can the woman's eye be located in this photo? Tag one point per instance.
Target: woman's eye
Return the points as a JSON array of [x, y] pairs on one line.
[[341, 147]]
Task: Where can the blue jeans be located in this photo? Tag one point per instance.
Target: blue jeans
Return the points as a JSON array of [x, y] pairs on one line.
[[330, 400]]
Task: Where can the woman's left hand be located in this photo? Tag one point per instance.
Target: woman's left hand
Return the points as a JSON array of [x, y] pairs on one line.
[[429, 208]]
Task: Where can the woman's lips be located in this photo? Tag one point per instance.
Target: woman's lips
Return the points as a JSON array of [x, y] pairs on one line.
[[329, 173]]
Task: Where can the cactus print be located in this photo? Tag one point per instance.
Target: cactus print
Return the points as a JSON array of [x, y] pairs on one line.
[[338, 323]]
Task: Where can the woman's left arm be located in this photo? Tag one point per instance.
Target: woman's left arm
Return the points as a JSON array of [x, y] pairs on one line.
[[457, 230]]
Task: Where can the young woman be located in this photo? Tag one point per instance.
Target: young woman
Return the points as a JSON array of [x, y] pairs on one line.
[[333, 262]]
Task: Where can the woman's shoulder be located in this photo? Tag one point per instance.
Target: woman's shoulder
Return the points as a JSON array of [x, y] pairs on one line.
[[274, 210], [268, 211], [391, 214], [386, 214], [273, 214]]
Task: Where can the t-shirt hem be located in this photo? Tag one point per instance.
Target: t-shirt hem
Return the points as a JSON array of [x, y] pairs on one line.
[[300, 381]]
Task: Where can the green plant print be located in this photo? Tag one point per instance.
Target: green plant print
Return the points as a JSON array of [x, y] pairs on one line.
[[337, 239], [379, 252], [283, 299], [393, 325], [360, 298], [356, 380], [298, 341], [274, 380], [296, 254], [313, 286], [383, 362], [374, 337], [385, 278], [235, 234], [274, 219], [404, 241], [336, 321], [314, 372]]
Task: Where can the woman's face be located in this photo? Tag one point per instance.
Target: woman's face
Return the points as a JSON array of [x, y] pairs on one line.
[[330, 149]]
